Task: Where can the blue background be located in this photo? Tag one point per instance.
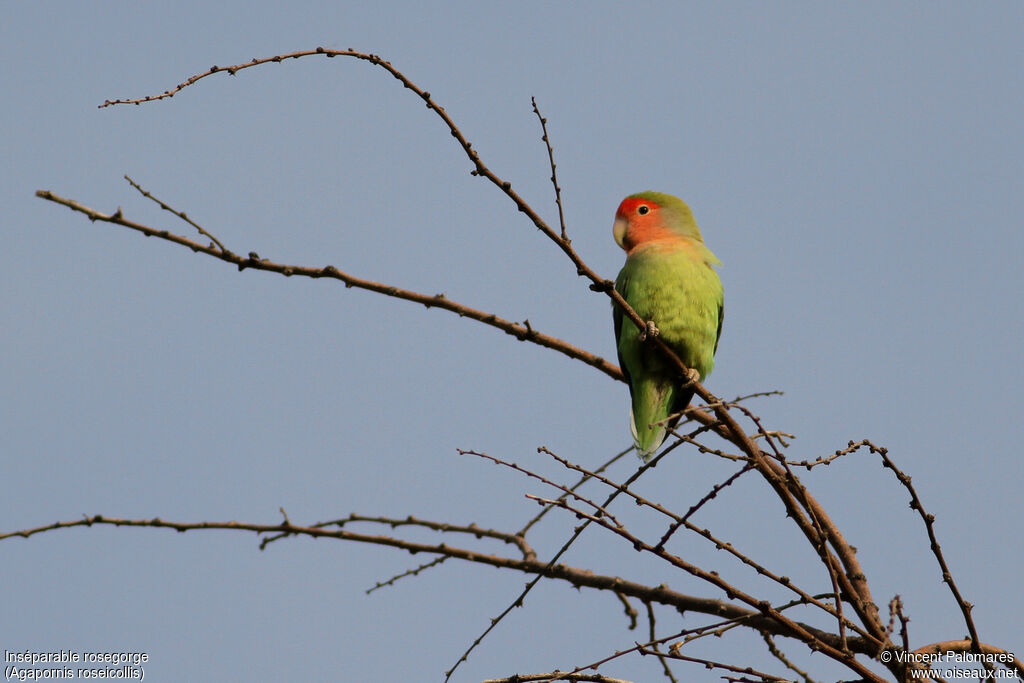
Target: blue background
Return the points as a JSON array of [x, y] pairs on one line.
[[856, 166]]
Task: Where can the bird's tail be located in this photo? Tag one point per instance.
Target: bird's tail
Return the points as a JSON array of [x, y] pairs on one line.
[[653, 402]]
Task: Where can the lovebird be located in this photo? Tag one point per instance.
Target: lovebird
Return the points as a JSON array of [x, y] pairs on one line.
[[669, 280]]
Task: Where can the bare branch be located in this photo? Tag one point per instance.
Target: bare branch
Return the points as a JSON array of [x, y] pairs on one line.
[[519, 331], [578, 577], [929, 523], [841, 652], [556, 676]]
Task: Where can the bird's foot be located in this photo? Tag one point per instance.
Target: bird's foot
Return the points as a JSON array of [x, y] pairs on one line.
[[692, 376], [650, 331]]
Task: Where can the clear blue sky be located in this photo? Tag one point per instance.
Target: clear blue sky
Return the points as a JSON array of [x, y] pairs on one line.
[[856, 166]]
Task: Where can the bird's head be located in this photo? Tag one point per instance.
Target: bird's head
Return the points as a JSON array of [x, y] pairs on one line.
[[649, 217]]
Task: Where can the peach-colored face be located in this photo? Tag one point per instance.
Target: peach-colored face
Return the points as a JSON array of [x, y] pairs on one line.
[[639, 221]]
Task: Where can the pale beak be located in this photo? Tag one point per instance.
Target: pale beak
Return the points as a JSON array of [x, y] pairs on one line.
[[619, 230]]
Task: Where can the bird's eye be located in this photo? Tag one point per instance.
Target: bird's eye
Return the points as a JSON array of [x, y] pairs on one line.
[[643, 210]]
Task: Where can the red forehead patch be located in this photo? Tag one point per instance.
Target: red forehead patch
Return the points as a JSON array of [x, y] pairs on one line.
[[629, 205]]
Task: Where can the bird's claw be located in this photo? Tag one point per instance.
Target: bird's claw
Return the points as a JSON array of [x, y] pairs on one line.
[[692, 376], [649, 331]]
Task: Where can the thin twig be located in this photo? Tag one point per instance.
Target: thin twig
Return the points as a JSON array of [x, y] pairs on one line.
[[781, 656], [652, 642], [415, 571], [567, 492], [709, 496], [551, 162], [712, 664], [628, 610], [179, 214], [582, 480]]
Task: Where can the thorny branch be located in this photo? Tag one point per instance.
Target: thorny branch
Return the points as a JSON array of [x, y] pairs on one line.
[[846, 577]]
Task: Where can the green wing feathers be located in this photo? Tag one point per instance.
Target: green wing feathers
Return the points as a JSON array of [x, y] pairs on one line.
[[680, 292]]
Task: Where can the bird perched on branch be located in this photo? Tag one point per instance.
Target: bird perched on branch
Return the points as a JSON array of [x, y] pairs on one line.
[[670, 281]]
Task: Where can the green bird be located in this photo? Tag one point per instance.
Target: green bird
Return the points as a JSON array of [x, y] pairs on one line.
[[670, 281]]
